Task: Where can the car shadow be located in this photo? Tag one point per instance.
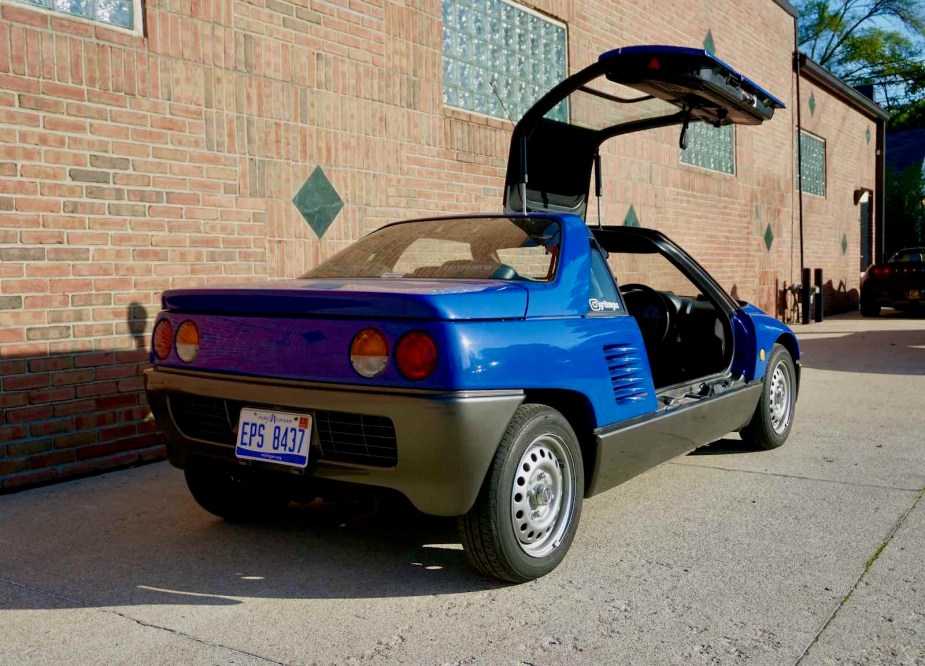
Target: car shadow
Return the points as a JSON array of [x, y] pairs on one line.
[[722, 447], [103, 548], [899, 352]]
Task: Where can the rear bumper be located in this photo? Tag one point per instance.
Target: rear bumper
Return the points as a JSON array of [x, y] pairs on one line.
[[445, 441], [887, 295]]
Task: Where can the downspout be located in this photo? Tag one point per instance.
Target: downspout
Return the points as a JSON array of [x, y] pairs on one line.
[[797, 63], [880, 196]]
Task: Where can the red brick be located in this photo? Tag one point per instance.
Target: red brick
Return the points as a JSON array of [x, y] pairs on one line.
[[116, 401], [20, 14], [96, 451], [27, 478], [51, 427], [79, 439], [96, 420], [9, 433], [56, 395], [29, 414], [72, 408], [49, 459], [26, 382]]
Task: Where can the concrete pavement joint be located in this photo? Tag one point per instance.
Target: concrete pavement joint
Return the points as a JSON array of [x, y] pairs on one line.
[[795, 476], [60, 597], [867, 567]]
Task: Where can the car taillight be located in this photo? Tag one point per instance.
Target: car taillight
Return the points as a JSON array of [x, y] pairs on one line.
[[187, 341], [881, 271], [369, 352], [162, 339], [416, 355]]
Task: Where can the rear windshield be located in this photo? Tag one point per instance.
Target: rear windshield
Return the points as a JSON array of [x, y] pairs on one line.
[[497, 248]]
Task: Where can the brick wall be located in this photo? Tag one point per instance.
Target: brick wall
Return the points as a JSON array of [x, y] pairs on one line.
[[835, 219], [130, 164]]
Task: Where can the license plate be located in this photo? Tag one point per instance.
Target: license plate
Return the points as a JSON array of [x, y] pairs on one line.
[[279, 437], [913, 294]]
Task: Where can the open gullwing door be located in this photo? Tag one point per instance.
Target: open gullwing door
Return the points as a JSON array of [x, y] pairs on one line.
[[629, 89]]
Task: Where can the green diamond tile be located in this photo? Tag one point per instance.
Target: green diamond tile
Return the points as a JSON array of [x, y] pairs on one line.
[[318, 202], [709, 45], [867, 135], [812, 103], [768, 237], [631, 220], [844, 243]]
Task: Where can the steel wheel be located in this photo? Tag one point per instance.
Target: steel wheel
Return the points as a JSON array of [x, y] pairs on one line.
[[770, 424], [527, 512], [780, 400], [543, 495]]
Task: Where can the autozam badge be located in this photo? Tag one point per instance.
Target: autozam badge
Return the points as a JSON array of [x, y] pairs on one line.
[[602, 306]]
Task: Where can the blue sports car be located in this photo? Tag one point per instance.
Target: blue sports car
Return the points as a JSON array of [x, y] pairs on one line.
[[498, 368]]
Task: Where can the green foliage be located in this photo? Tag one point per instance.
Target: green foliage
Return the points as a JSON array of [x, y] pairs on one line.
[[909, 115], [879, 42], [905, 208]]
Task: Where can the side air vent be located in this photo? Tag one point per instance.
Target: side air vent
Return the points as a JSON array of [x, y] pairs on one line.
[[626, 373]]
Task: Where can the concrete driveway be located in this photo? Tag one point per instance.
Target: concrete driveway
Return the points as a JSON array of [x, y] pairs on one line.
[[814, 553]]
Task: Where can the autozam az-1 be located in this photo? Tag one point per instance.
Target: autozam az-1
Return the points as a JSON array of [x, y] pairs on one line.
[[497, 368]]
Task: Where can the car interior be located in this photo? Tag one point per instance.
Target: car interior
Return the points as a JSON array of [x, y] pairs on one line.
[[687, 337]]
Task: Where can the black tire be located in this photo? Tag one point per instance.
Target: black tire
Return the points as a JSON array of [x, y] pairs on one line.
[[554, 480], [235, 494], [870, 309], [770, 425]]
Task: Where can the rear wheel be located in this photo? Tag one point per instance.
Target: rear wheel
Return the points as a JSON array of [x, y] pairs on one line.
[[870, 309], [773, 418], [527, 511], [235, 494]]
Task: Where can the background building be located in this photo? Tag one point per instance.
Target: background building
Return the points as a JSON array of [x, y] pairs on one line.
[[162, 144]]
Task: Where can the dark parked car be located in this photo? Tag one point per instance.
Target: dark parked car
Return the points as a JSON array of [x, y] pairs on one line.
[[494, 367], [898, 283]]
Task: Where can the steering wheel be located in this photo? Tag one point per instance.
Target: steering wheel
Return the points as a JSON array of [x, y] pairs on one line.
[[650, 309]]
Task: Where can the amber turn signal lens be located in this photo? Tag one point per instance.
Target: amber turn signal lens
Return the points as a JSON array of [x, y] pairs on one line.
[[416, 355], [369, 352], [187, 341], [162, 339]]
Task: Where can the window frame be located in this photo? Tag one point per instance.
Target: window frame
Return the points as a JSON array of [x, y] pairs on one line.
[[825, 164], [452, 108], [138, 22]]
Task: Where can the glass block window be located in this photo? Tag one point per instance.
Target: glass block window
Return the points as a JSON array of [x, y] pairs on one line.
[[119, 13], [812, 164], [710, 147], [496, 42]]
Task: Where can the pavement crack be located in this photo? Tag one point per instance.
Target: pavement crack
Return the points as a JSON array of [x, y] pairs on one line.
[[867, 567], [142, 623], [852, 484]]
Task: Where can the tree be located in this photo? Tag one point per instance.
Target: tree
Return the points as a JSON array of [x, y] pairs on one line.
[[878, 42], [905, 208]]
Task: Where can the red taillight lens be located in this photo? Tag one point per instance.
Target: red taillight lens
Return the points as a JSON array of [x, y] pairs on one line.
[[881, 271], [162, 339], [369, 352], [416, 355], [187, 341]]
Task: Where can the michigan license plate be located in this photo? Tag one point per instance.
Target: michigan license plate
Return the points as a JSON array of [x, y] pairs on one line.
[[279, 437]]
